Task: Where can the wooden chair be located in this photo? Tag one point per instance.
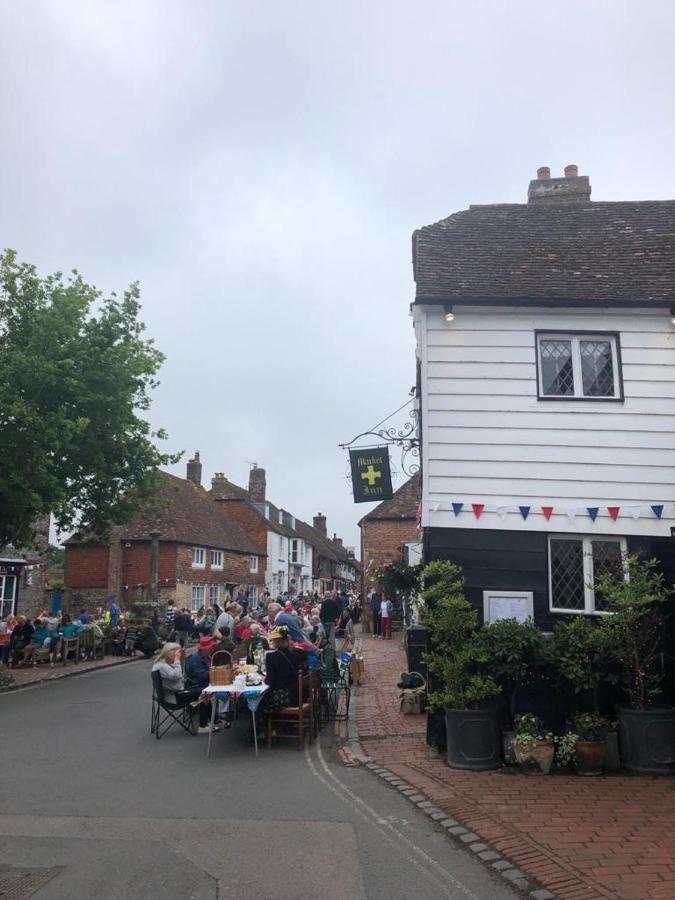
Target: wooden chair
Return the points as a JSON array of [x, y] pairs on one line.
[[301, 715], [70, 645]]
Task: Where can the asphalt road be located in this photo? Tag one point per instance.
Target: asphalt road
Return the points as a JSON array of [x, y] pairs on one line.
[[94, 806]]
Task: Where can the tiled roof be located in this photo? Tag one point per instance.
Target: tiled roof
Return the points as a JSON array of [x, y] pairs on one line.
[[574, 251], [402, 505], [189, 515]]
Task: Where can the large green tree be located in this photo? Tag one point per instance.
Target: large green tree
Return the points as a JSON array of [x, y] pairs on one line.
[[75, 376]]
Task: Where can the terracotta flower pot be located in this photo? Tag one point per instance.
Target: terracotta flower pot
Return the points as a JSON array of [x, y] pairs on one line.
[[536, 758], [591, 757]]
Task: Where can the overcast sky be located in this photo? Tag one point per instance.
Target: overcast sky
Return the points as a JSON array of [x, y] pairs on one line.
[[260, 167]]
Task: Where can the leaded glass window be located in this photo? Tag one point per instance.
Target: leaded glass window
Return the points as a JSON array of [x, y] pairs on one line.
[[574, 566], [575, 366]]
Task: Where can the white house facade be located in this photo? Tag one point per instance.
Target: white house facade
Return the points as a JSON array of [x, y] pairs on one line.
[[546, 353]]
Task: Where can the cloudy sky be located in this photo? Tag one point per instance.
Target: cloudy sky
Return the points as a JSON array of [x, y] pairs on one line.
[[260, 166]]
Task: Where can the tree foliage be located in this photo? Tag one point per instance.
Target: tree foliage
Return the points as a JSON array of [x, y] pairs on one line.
[[75, 372]]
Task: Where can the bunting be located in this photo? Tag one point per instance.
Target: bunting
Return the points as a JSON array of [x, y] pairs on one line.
[[614, 512]]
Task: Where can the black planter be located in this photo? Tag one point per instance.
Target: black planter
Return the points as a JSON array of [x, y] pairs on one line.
[[474, 738], [647, 739]]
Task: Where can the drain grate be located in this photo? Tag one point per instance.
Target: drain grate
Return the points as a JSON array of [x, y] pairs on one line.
[[19, 884]]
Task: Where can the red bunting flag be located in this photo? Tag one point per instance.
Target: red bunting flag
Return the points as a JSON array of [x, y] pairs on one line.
[[614, 511], [477, 509], [547, 511]]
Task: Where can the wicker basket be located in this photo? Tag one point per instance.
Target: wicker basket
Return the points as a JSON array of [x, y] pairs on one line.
[[221, 673]]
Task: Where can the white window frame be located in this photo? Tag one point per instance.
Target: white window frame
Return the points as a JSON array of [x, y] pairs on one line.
[[198, 558], [217, 560], [8, 600], [282, 555], [575, 338], [197, 600], [295, 556], [214, 594], [587, 555], [253, 564]]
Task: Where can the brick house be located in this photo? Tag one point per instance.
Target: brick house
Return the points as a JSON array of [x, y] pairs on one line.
[[389, 531], [204, 555], [335, 567]]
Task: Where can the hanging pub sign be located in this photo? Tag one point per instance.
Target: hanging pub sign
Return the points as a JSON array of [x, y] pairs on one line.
[[371, 475]]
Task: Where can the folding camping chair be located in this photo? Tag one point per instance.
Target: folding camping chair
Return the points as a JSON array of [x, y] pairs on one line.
[[178, 713]]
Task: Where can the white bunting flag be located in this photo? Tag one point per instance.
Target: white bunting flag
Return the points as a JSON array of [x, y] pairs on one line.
[[571, 512], [636, 511], [503, 511]]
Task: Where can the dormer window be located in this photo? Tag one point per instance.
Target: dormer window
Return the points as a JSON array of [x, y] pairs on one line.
[[578, 366]]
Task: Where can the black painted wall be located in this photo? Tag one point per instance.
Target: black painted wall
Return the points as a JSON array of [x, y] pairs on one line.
[[518, 561]]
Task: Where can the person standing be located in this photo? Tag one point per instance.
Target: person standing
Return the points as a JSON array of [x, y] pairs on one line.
[[386, 611], [170, 621], [329, 614], [375, 605]]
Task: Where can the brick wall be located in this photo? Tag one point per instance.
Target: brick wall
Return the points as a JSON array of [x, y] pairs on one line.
[[136, 563], [381, 541], [86, 566]]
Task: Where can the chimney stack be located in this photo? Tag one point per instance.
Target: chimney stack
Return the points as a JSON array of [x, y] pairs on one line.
[[218, 482], [320, 524], [572, 188], [337, 541], [194, 470], [257, 484]]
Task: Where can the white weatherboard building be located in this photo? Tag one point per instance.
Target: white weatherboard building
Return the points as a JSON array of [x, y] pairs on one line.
[[546, 350]]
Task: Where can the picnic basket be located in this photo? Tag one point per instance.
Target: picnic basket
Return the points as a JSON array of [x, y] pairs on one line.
[[221, 672]]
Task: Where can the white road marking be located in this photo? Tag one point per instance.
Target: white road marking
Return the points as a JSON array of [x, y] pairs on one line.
[[417, 856]]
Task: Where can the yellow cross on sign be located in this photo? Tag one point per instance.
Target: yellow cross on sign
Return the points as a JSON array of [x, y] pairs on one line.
[[371, 476]]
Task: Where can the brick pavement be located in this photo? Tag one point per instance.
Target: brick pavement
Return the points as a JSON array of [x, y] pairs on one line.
[[44, 672], [582, 838]]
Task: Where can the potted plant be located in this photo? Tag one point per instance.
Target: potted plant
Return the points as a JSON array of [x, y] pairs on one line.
[[635, 629], [533, 745], [565, 750], [516, 654], [459, 662], [590, 750]]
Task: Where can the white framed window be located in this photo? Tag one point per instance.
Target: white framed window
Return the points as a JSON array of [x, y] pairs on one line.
[[578, 366], [214, 594], [7, 595], [217, 559], [573, 565], [294, 551], [282, 555], [198, 558], [197, 597], [253, 564]]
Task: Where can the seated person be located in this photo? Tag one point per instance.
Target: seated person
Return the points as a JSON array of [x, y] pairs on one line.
[[169, 666], [19, 638], [283, 663], [147, 641], [242, 629], [226, 642], [197, 675], [39, 639], [344, 630], [317, 633], [256, 640]]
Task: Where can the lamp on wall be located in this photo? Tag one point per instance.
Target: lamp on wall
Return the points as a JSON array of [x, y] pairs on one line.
[[672, 315], [449, 314]]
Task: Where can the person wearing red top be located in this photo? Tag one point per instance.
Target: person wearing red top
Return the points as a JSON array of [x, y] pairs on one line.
[[242, 630]]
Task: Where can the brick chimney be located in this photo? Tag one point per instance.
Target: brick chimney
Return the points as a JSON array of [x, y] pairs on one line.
[[337, 541], [218, 482], [194, 470], [320, 524], [257, 484], [571, 188]]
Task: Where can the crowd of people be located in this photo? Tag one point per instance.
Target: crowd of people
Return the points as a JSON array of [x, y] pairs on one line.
[[294, 628], [21, 638]]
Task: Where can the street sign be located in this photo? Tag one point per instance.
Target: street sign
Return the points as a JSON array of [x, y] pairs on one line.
[[371, 475]]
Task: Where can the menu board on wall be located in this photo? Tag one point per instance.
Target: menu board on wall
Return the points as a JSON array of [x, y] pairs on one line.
[[518, 605]]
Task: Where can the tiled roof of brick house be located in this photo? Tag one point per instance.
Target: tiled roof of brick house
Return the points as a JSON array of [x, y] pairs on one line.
[[558, 246], [402, 505], [187, 514]]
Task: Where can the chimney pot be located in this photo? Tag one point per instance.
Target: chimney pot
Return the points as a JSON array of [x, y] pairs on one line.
[[543, 172], [571, 171]]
